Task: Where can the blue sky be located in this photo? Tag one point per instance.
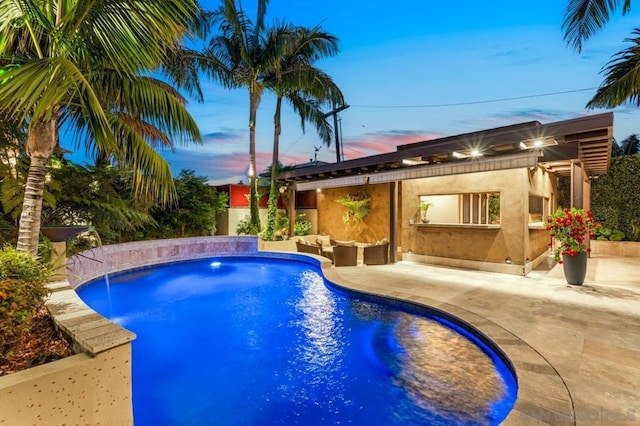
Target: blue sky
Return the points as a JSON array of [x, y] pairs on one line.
[[415, 53]]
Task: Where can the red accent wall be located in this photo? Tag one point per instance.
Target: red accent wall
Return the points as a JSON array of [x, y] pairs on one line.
[[238, 197]]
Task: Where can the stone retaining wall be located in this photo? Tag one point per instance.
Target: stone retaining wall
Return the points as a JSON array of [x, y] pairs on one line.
[[615, 248], [92, 264]]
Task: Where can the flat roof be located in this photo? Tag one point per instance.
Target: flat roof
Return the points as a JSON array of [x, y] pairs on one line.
[[556, 145]]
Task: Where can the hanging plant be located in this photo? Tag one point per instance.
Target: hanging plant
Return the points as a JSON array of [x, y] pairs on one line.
[[358, 206]]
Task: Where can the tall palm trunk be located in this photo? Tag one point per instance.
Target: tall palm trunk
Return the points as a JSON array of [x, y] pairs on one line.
[[254, 213], [41, 142], [272, 208]]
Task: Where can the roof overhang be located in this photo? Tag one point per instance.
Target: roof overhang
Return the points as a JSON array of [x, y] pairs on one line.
[[555, 146]]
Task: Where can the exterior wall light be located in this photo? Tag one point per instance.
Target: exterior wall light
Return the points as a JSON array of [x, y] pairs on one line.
[[538, 142], [507, 261]]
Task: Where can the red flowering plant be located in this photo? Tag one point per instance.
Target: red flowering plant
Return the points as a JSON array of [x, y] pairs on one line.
[[572, 229]]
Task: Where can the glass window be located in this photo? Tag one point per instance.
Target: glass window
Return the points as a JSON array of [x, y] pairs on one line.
[[473, 208], [538, 209]]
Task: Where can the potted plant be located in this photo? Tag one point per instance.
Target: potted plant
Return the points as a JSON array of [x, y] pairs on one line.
[[572, 229], [423, 208]]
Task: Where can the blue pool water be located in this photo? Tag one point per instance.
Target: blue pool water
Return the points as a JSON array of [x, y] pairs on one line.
[[251, 341]]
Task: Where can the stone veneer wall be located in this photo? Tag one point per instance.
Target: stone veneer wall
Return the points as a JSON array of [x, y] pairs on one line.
[[90, 265]]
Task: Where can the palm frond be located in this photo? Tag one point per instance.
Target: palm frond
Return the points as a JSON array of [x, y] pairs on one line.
[[622, 78], [582, 18]]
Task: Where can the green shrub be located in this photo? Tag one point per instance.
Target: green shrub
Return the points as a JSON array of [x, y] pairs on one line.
[[608, 234], [615, 199], [245, 227], [22, 290], [301, 226]]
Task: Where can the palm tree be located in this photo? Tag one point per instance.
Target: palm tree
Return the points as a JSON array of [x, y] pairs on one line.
[[294, 78], [622, 74], [96, 54], [237, 57], [629, 146]]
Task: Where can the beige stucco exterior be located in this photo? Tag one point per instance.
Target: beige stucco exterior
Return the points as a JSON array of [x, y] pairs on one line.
[[512, 246], [80, 389], [375, 226]]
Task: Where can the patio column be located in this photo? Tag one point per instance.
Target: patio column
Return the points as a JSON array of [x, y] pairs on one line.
[[393, 215], [292, 210]]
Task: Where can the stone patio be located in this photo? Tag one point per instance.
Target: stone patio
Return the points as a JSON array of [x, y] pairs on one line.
[[576, 349]]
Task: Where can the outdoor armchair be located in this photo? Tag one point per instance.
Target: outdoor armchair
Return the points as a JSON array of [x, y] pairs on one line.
[[376, 254], [345, 255], [307, 248]]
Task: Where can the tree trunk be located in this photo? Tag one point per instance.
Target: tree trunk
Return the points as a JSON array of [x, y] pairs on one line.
[[272, 208], [41, 142], [254, 212]]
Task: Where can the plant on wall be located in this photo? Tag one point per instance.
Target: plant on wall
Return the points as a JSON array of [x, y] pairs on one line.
[[358, 206]]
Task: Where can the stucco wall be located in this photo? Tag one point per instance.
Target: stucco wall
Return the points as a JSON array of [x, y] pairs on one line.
[[542, 184], [76, 390], [485, 245], [374, 227]]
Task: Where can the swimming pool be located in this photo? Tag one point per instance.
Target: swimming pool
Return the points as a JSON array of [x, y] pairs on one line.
[[232, 341]]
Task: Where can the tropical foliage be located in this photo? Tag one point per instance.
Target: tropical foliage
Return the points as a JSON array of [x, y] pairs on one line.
[[249, 54], [99, 54], [629, 146], [583, 18], [358, 206], [615, 196], [294, 78], [237, 56], [195, 213], [22, 291]]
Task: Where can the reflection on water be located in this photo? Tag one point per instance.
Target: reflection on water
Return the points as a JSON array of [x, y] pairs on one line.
[[321, 327], [441, 370], [319, 340]]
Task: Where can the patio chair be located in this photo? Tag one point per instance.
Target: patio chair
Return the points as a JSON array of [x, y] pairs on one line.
[[376, 254], [345, 255], [307, 248]]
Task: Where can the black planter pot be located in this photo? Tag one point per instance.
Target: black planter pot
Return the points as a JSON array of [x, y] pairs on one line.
[[575, 268]]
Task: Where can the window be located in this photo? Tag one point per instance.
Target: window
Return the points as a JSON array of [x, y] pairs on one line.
[[538, 209], [471, 208]]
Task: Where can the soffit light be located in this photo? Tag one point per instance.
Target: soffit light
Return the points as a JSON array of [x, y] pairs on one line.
[[538, 142], [414, 161]]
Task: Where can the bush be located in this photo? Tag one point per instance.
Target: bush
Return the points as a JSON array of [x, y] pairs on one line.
[[22, 290], [245, 227], [615, 198], [301, 226], [607, 234]]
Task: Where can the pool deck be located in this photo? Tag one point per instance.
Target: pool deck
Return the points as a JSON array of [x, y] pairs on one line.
[[576, 349]]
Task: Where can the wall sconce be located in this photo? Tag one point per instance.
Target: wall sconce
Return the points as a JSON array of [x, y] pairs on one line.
[[507, 261], [319, 190]]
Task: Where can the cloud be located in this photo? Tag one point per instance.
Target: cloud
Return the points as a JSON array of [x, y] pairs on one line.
[[225, 136], [514, 116], [225, 167], [382, 142]]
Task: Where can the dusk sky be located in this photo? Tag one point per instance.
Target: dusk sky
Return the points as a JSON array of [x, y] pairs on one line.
[[401, 64]]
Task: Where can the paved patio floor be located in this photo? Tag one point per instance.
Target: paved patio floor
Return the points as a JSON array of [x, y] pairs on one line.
[[576, 349]]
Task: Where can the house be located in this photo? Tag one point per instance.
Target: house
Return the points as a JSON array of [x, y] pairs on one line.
[[227, 221], [490, 192]]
